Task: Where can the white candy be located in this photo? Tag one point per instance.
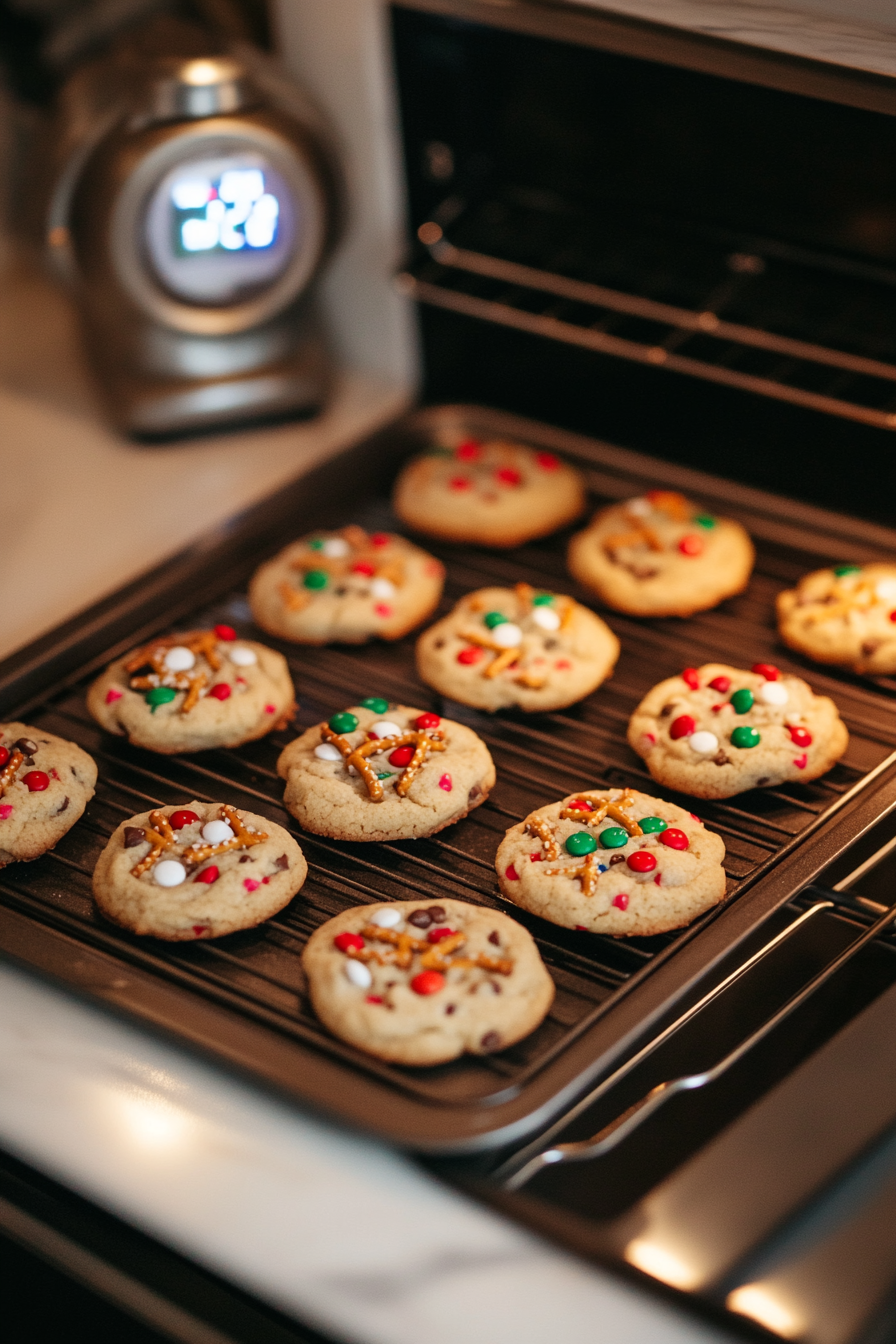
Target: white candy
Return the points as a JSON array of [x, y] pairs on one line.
[[216, 832], [336, 547], [886, 590], [386, 919], [327, 752], [179, 659], [704, 743], [358, 974], [169, 873], [773, 693], [382, 588], [507, 636], [640, 507], [546, 618], [386, 728], [242, 656]]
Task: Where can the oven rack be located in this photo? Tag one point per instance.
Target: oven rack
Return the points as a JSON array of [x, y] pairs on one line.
[[743, 313]]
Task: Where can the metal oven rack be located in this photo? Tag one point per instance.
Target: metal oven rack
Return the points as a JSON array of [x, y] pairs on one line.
[[243, 998]]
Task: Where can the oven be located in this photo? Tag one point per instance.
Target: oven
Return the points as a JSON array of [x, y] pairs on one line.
[[671, 258]]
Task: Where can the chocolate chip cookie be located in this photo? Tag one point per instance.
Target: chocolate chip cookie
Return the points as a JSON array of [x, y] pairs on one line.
[[844, 615], [45, 785]]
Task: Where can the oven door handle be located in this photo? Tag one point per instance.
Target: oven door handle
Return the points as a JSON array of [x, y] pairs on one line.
[[608, 1138]]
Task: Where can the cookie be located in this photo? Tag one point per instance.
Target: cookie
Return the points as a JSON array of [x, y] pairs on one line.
[[45, 785], [200, 871], [347, 587], [384, 772], [845, 616], [193, 691], [718, 730], [421, 984], [661, 555], [491, 493], [504, 646], [612, 861]]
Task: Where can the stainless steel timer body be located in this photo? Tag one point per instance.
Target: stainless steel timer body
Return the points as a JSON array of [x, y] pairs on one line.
[[191, 217]]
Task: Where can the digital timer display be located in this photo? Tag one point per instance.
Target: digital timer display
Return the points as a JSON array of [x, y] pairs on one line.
[[227, 213]]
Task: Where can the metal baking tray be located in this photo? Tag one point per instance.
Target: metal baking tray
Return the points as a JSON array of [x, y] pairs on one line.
[[242, 999]]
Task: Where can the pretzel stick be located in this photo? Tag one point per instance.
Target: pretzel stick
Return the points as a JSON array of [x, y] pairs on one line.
[[538, 826], [586, 873], [160, 836], [606, 808], [501, 661], [242, 838], [422, 742], [435, 955], [192, 700], [200, 642], [670, 502], [8, 773], [640, 533], [294, 599], [533, 680]]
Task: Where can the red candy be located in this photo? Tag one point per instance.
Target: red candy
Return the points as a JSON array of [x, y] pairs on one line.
[[401, 756], [36, 781], [5, 811], [471, 655], [580, 805], [536, 858], [346, 941], [364, 567], [250, 884], [508, 476], [621, 901], [893, 615], [200, 929], [428, 982], [181, 819], [691, 677], [270, 709], [469, 451], [460, 482], [112, 695], [208, 875], [658, 879], [683, 726], [511, 873], [642, 861], [220, 691], [674, 838], [374, 998], [800, 737], [225, 632], [691, 545], [767, 670], [547, 461], [424, 721], [445, 783], [721, 684], [436, 935], [383, 610], [4, 756], [379, 539], [801, 761]]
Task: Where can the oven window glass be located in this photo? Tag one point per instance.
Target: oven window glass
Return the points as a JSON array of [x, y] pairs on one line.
[[221, 229]]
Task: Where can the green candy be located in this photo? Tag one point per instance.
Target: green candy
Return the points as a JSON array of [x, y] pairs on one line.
[[704, 520], [614, 837], [543, 600], [493, 618], [316, 578], [159, 695], [316, 545], [581, 842], [386, 774], [653, 825], [343, 722], [745, 737], [376, 704], [841, 570], [742, 701]]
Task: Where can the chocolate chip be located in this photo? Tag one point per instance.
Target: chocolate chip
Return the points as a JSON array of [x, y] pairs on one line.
[[870, 646], [437, 914], [133, 835], [440, 644], [63, 806], [495, 938], [763, 780], [29, 760], [75, 773], [450, 1008], [421, 919], [340, 592], [617, 858], [474, 793], [26, 746], [245, 858], [282, 863], [721, 759], [491, 1040], [551, 644], [641, 571], [667, 709], [495, 986]]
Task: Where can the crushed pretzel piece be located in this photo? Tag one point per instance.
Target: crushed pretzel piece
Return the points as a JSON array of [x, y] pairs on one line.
[[160, 836], [540, 827], [8, 773]]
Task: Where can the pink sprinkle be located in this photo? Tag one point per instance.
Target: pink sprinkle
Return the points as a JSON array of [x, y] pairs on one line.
[[445, 783], [382, 609], [54, 774], [621, 901], [241, 681], [658, 879], [536, 858], [5, 811], [265, 881], [112, 695], [649, 738], [250, 884], [583, 927], [200, 929], [800, 761], [270, 709], [374, 998], [512, 874], [434, 568], [693, 816], [563, 664]]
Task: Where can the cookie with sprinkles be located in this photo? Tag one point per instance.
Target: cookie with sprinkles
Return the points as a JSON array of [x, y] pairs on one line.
[[193, 691], [845, 616], [45, 785], [346, 587], [612, 861], [379, 771], [417, 983], [661, 555], [716, 730], [489, 492], [197, 871], [519, 646]]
